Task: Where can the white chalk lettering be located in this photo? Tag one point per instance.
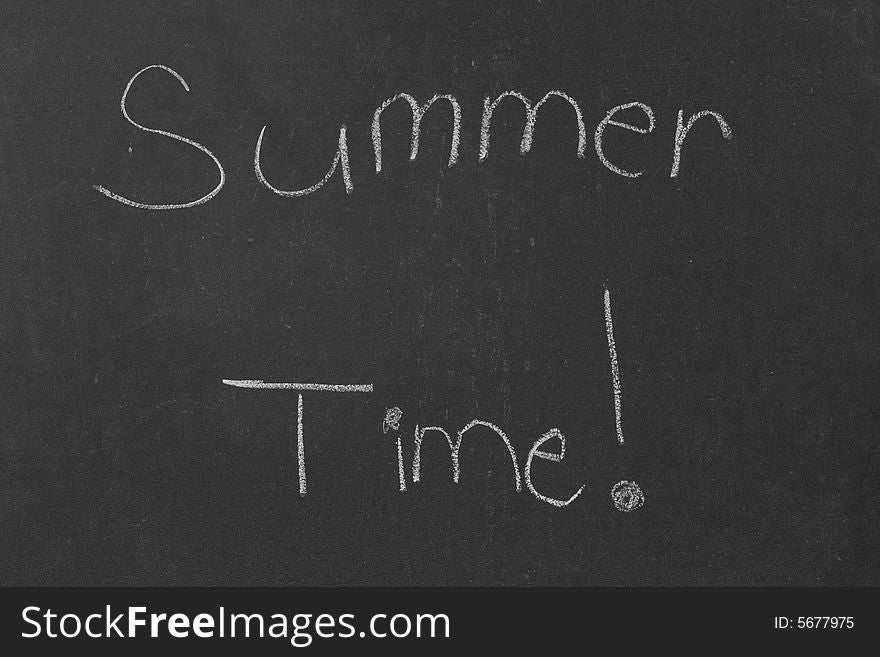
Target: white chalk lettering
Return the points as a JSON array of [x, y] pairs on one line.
[[531, 115], [319, 387], [340, 159], [609, 121], [300, 446], [548, 456], [615, 369], [163, 206], [455, 449], [418, 112], [259, 384], [392, 422], [418, 436], [682, 131]]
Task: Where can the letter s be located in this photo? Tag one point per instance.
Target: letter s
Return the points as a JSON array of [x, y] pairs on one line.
[[24, 617], [171, 135]]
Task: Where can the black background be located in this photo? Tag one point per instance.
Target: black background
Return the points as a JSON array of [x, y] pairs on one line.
[[744, 295]]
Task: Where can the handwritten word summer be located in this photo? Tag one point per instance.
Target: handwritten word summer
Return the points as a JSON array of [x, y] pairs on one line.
[[341, 163]]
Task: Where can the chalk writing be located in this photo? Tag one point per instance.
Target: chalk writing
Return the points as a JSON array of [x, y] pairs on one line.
[[548, 456], [682, 131], [341, 157], [627, 496], [319, 387], [163, 206], [609, 121], [392, 419], [418, 111], [615, 370], [531, 116]]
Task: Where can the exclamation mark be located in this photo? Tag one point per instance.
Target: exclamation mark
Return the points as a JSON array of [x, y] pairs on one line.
[[626, 495], [300, 446]]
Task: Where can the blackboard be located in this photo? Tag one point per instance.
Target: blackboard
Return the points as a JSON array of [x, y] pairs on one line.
[[742, 286]]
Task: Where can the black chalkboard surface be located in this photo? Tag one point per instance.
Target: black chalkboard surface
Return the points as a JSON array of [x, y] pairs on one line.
[[690, 305]]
